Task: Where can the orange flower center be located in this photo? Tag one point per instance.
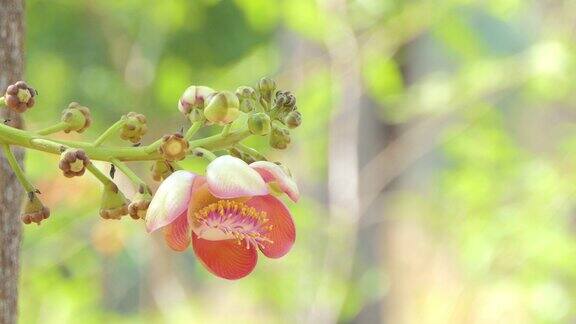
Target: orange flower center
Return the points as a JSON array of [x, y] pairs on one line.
[[229, 219]]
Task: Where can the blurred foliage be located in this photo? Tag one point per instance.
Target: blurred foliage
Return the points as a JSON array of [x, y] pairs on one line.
[[499, 205]]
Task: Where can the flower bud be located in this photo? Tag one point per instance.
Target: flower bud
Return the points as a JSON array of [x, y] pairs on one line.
[[73, 162], [245, 93], [285, 102], [174, 147], [222, 108], [34, 211], [247, 106], [194, 97], [280, 136], [19, 97], [134, 127], [114, 204], [259, 124], [293, 119], [139, 205], [161, 170], [77, 117], [266, 86]]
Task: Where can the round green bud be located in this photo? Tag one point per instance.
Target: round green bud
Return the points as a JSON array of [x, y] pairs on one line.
[[266, 85], [280, 136], [222, 108], [293, 119], [77, 117], [259, 124], [245, 93]]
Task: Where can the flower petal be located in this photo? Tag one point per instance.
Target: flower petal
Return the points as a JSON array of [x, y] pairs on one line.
[[272, 172], [225, 259], [230, 177], [177, 234], [283, 232], [170, 201]]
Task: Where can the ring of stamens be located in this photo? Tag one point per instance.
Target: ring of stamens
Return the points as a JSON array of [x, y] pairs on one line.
[[242, 222]]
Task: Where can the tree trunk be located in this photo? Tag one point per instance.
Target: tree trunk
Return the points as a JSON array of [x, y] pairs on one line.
[[11, 70]]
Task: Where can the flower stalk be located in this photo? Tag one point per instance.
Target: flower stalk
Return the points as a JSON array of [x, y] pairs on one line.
[[17, 169], [108, 133], [53, 129]]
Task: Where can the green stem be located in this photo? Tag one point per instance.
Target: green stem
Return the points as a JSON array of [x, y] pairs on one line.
[[129, 173], [226, 130], [53, 129], [14, 136], [109, 132], [207, 154], [193, 130], [17, 169], [99, 175], [250, 151]]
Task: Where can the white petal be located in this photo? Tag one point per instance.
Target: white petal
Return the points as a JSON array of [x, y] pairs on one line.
[[170, 201], [230, 177]]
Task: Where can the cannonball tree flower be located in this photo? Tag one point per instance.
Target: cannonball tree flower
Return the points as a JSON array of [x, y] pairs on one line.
[[226, 215]]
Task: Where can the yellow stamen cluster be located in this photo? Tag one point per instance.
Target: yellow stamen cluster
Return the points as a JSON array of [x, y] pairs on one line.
[[231, 219], [230, 206]]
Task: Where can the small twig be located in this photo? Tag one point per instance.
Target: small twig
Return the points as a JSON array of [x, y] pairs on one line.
[[111, 130], [17, 169]]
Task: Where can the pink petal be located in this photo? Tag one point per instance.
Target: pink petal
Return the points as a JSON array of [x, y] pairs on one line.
[[170, 201], [230, 177], [177, 234], [272, 172], [225, 259], [283, 232]]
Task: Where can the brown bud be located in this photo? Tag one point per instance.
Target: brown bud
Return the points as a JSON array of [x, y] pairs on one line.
[[73, 162], [113, 213], [174, 147], [34, 211], [293, 119], [114, 204], [139, 206], [20, 97], [134, 127], [280, 136]]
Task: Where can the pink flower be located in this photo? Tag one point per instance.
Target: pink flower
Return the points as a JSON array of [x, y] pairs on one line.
[[226, 215]]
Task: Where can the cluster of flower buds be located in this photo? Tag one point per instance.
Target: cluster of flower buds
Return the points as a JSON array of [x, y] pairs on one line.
[[77, 117], [134, 127], [73, 162], [19, 97], [277, 115]]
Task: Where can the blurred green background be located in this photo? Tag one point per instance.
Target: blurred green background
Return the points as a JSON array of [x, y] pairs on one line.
[[436, 159]]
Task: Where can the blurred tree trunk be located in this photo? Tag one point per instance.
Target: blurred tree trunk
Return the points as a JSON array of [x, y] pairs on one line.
[[11, 70]]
